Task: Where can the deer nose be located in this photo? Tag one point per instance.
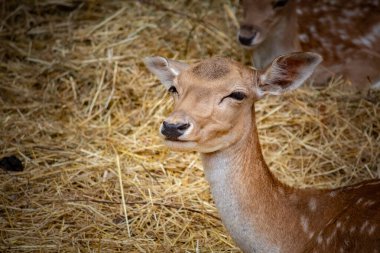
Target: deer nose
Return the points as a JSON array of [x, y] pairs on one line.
[[247, 41], [173, 131], [248, 34]]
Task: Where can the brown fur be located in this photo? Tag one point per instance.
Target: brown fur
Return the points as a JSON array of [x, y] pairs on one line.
[[212, 69], [281, 207]]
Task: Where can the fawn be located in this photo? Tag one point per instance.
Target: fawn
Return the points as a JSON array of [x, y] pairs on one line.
[[214, 114]]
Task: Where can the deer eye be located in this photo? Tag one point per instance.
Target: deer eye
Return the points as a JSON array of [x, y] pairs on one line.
[[172, 89], [237, 95], [279, 3]]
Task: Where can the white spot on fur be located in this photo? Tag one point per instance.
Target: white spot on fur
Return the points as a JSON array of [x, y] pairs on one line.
[[304, 38], [319, 239], [299, 11], [328, 240], [359, 201], [369, 203], [369, 38], [338, 224], [305, 224], [365, 224], [311, 234], [333, 194], [371, 230], [313, 204]]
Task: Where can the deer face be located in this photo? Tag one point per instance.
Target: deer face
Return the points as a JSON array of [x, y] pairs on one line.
[[213, 99], [260, 17]]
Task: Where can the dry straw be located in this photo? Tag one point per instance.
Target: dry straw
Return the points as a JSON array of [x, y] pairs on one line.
[[80, 110]]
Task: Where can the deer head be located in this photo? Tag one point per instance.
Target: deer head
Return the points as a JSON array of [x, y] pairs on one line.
[[261, 18], [213, 99]]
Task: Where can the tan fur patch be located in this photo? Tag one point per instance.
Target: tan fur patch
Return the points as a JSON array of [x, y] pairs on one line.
[[212, 69]]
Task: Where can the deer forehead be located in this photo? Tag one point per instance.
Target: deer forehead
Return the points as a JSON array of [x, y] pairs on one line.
[[212, 69], [215, 75]]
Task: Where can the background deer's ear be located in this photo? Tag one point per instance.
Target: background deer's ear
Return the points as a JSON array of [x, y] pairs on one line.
[[166, 70], [287, 72]]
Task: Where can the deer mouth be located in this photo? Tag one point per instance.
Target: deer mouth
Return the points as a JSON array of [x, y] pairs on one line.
[[180, 145], [174, 139]]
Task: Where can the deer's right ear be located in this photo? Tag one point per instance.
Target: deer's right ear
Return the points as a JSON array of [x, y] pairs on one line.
[[287, 72], [166, 70]]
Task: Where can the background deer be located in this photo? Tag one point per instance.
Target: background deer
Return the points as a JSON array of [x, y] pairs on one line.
[[345, 33], [214, 114]]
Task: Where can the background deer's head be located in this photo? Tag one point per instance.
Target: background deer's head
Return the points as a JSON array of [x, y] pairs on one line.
[[262, 18]]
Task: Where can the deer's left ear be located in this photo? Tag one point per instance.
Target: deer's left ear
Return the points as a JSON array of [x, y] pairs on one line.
[[287, 73], [166, 70]]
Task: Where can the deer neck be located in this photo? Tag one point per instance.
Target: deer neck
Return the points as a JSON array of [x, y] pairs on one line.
[[250, 200], [282, 39]]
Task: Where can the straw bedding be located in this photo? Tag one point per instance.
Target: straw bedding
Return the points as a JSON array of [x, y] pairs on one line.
[[81, 112]]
